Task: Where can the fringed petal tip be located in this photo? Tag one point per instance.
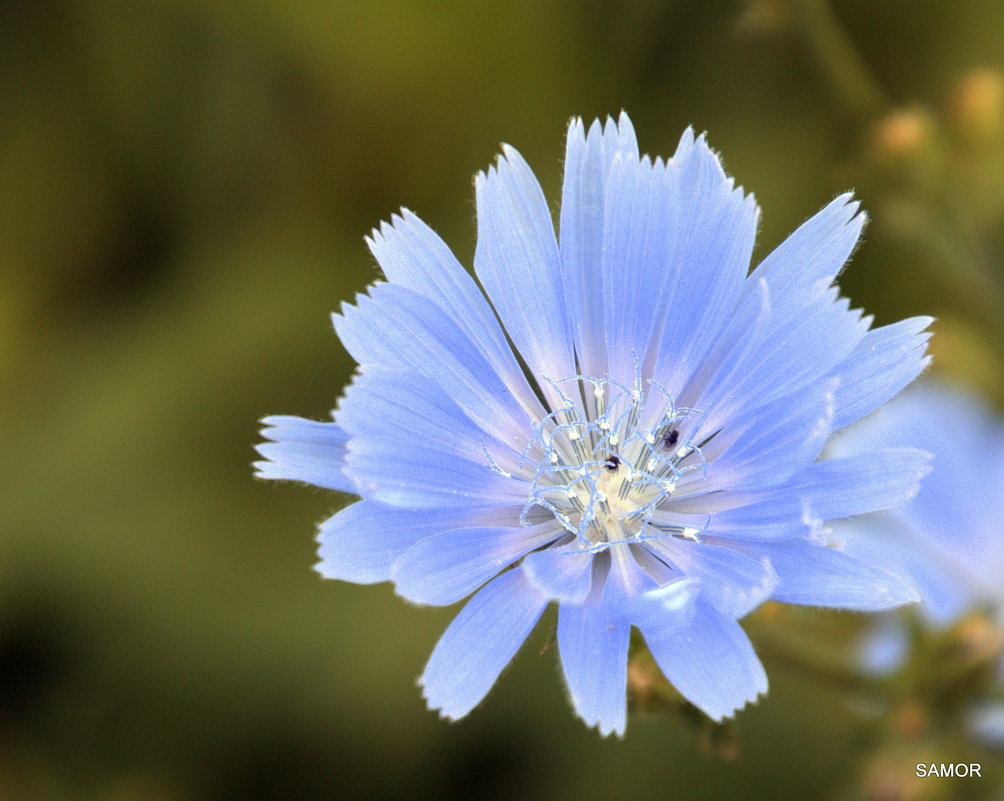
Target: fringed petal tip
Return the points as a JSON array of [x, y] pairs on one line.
[[731, 709], [620, 129], [508, 160], [691, 146], [856, 223], [723, 716], [757, 689], [847, 209], [303, 450], [603, 727], [323, 569], [386, 229], [442, 706], [479, 643], [265, 470]]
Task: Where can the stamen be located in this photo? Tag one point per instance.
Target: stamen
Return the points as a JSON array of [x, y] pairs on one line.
[[602, 474], [495, 465]]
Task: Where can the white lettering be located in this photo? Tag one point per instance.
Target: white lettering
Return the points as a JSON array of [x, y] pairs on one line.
[[942, 770]]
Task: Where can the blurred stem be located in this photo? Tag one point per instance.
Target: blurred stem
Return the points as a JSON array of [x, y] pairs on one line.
[[846, 71], [972, 270]]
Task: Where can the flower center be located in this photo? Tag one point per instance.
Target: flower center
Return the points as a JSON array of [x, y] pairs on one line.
[[608, 460]]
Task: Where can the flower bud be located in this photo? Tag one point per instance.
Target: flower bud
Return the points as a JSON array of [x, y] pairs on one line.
[[976, 107], [903, 138]]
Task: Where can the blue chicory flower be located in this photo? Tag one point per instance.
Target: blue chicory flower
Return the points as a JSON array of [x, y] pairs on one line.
[[622, 421], [948, 541]]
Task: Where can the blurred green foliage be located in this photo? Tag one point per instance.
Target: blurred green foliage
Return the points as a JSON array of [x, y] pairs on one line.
[[184, 188]]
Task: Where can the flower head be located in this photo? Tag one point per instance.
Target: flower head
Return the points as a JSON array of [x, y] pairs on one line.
[[620, 419], [948, 540]]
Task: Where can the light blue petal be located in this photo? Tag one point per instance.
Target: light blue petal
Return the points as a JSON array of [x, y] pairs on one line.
[[637, 234], [677, 239], [413, 256], [734, 349], [412, 446], [773, 361], [626, 580], [712, 501], [517, 262], [772, 443], [779, 362], [593, 644], [814, 575], [710, 661], [630, 592], [361, 542], [830, 489], [563, 573], [818, 249], [304, 450], [885, 361], [767, 514], [443, 568], [426, 479], [960, 506], [402, 407], [692, 289], [867, 482], [479, 643], [944, 582], [583, 197], [783, 517], [732, 583], [397, 330]]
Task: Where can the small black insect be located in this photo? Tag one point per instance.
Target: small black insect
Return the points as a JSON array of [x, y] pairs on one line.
[[612, 462], [671, 439]]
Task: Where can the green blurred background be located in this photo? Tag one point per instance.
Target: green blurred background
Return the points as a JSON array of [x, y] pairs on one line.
[[184, 188]]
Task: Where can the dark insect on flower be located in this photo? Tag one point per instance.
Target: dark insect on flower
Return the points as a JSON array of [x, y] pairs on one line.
[[612, 462], [671, 438]]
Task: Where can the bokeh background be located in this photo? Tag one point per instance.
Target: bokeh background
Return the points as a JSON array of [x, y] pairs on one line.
[[184, 188]]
